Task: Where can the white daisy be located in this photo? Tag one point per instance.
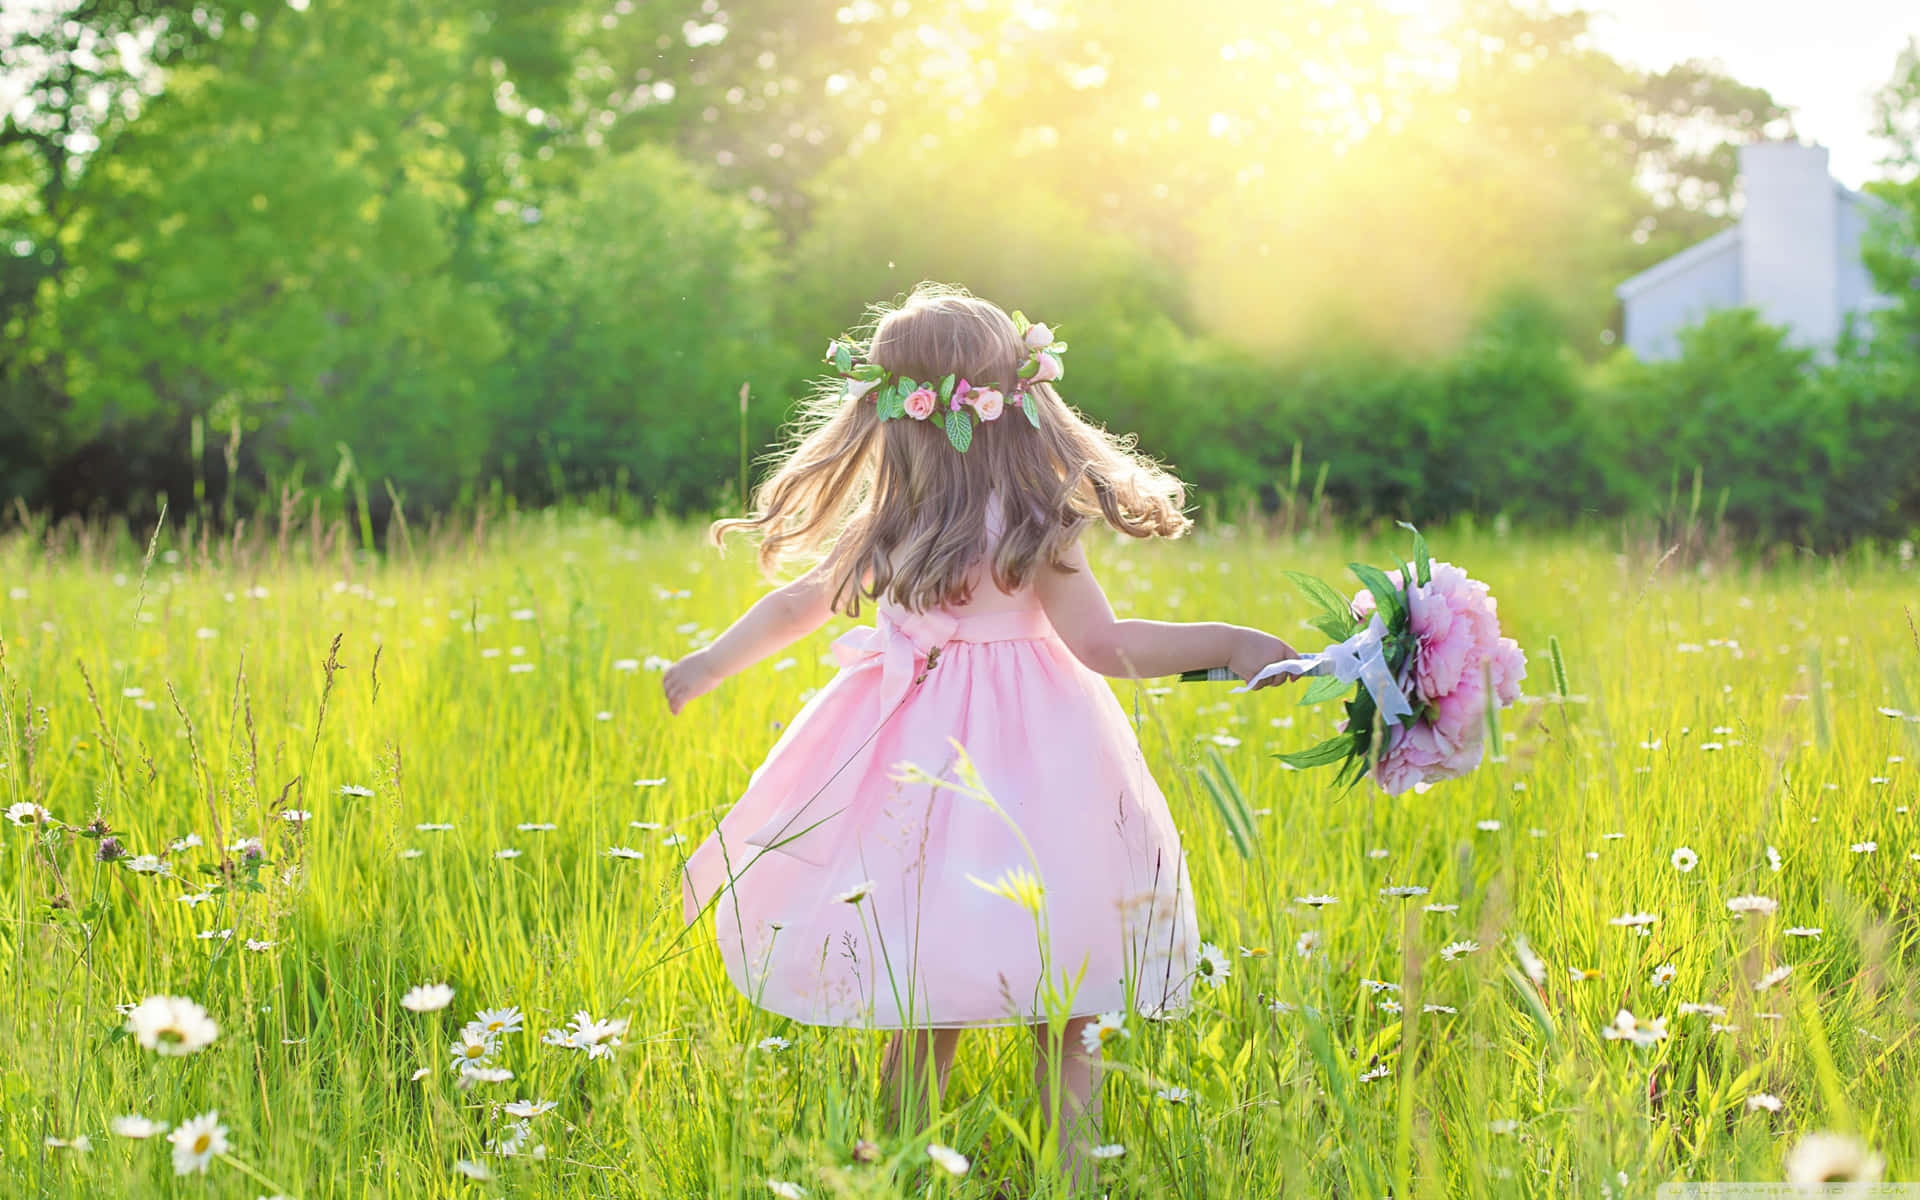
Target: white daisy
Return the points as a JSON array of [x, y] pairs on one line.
[[171, 1025], [1772, 977], [1453, 950], [1174, 1095], [1529, 961], [856, 893], [1403, 890], [1212, 965], [1111, 1150], [472, 1170], [1684, 859], [1107, 1027], [472, 1050], [1803, 931], [26, 812], [434, 826], [1822, 1158], [626, 852], [1379, 1072], [786, 1190], [1664, 974], [496, 1021], [1773, 858], [1440, 908], [1689, 1009], [529, 1108], [509, 852], [950, 1160], [79, 1144], [136, 1127], [660, 782], [1634, 920], [1753, 904], [1307, 943], [296, 816], [147, 864], [197, 1142], [1627, 1027], [1864, 847], [1316, 901], [773, 1045], [352, 789], [1487, 826], [428, 997], [1766, 1100]]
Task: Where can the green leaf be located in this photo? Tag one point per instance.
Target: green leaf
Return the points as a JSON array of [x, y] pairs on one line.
[[1390, 600], [1330, 751], [1228, 801], [1321, 593], [869, 371], [946, 389], [843, 357], [1323, 689], [1337, 626], [1057, 348], [1020, 322], [960, 430], [1029, 368], [1421, 561], [938, 417], [1031, 407]]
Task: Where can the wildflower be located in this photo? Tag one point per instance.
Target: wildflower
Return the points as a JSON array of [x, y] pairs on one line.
[[1773, 858], [1212, 965], [109, 850], [1254, 952], [26, 812], [474, 1049], [209, 935], [650, 782], [1634, 920], [496, 1021], [1583, 974], [1389, 1006], [1111, 1150], [171, 1025], [257, 946], [197, 1142], [529, 1108], [1864, 847], [950, 1160], [1316, 901], [1766, 1100], [1307, 943], [1487, 826], [482, 1074], [1503, 1125], [1627, 1027], [193, 898], [773, 1045], [1440, 908], [79, 1144], [1106, 1028], [1438, 1008], [536, 827], [1529, 961], [248, 848], [1379, 1072], [472, 1170], [597, 1038], [509, 852], [136, 1127], [1174, 1095], [1690, 1008], [1832, 1158], [349, 789], [185, 843], [1753, 904], [1453, 950], [296, 816], [1803, 931], [1664, 974], [1772, 977], [434, 826], [626, 852], [428, 997], [785, 1190], [856, 893], [1684, 860], [1401, 891]]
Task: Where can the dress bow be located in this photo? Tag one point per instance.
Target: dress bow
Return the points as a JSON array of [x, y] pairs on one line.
[[902, 642]]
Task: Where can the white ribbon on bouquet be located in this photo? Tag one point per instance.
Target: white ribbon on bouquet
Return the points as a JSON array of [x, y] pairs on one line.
[[1360, 659]]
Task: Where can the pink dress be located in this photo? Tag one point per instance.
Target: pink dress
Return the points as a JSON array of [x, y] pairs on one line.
[[826, 816]]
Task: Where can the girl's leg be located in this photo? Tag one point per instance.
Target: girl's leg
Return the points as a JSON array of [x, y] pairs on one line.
[[904, 1075], [1079, 1097]]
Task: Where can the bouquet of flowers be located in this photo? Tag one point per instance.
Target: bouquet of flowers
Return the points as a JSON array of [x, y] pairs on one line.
[[1422, 643]]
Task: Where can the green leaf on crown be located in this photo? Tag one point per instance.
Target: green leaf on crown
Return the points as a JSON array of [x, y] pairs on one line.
[[892, 402], [843, 357], [1031, 407], [1020, 322], [869, 371], [1029, 368], [946, 389], [960, 430], [939, 417]]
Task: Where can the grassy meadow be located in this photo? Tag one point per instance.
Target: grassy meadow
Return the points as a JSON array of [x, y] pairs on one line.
[[438, 751]]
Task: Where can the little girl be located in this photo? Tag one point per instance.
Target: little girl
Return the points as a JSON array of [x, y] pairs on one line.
[[940, 474]]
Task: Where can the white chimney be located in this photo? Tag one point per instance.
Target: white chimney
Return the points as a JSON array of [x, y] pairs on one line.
[[1789, 239]]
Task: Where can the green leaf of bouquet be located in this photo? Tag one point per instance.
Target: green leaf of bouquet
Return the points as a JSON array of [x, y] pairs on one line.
[[1330, 751], [1323, 689], [1338, 626], [1318, 591], [960, 430], [1421, 561], [1387, 598]]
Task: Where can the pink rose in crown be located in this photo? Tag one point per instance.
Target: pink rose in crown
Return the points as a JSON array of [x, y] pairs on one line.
[[1049, 369], [920, 404], [988, 402]]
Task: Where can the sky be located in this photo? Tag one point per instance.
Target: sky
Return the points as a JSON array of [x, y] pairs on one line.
[[1821, 58]]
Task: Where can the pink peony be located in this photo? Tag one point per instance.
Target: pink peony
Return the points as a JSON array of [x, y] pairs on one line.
[[1417, 755], [1508, 667], [1453, 616], [988, 402], [921, 403], [1050, 369], [1460, 716]]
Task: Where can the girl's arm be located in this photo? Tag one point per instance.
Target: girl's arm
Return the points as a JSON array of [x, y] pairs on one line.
[[1081, 615], [777, 620]]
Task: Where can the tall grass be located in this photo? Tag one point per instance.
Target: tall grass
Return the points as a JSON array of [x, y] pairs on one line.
[[496, 678]]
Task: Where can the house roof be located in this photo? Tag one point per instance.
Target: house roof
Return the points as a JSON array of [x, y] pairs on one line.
[[1720, 243]]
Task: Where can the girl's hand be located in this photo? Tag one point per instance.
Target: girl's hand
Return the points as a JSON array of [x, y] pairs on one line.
[[1254, 650], [688, 678]]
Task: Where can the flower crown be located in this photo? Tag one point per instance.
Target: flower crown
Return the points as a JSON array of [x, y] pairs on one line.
[[953, 404]]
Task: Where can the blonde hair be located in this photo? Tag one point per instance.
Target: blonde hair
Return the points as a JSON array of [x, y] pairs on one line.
[[904, 511]]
